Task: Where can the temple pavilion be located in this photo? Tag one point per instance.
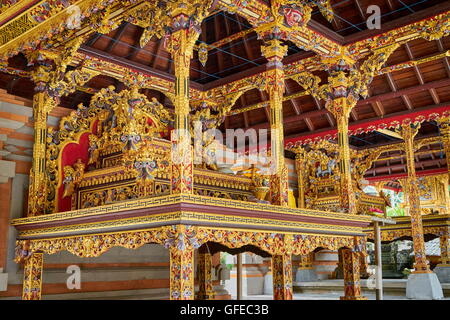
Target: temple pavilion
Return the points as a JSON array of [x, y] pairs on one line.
[[168, 148]]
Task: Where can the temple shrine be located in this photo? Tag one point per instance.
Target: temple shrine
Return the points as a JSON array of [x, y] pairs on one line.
[[216, 149]]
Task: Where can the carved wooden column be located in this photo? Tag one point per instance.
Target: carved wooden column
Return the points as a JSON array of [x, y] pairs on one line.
[[181, 263], [408, 132], [42, 104], [282, 277], [204, 266], [181, 46], [300, 168], [51, 83], [347, 81], [341, 109], [444, 128], [32, 277], [274, 51], [445, 247], [351, 269]]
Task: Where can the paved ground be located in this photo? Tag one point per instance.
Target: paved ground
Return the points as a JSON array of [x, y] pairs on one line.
[[333, 289], [321, 296]]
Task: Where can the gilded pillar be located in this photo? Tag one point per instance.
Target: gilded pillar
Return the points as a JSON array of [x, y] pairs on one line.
[[346, 83], [204, 266], [32, 277], [341, 108], [408, 132], [274, 51], [282, 276], [300, 167], [42, 103], [444, 128], [445, 248], [181, 273], [181, 46], [352, 279]]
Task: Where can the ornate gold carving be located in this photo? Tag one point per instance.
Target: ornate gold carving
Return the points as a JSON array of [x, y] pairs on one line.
[[282, 277], [72, 177], [408, 131], [205, 290], [352, 284], [203, 53], [32, 277]]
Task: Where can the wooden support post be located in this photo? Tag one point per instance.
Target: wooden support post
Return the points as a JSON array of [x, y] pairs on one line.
[[444, 128], [38, 186], [300, 168], [32, 277], [352, 281], [239, 276], [445, 248], [378, 263], [342, 108], [181, 273], [274, 51], [408, 132], [205, 290], [282, 277], [181, 46]]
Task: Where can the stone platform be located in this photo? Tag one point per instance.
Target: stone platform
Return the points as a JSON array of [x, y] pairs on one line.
[[391, 287]]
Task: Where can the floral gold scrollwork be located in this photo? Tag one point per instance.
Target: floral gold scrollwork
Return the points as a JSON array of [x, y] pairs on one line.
[[161, 19], [434, 29], [203, 53]]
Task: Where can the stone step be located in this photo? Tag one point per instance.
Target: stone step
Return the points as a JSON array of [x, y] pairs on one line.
[[393, 287]]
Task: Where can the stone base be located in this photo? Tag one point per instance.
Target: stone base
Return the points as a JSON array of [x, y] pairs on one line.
[[3, 281], [268, 283], [424, 286], [353, 298], [304, 275], [442, 271]]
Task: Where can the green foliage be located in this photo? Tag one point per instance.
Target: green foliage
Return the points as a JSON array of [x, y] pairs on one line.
[[223, 260], [395, 212]]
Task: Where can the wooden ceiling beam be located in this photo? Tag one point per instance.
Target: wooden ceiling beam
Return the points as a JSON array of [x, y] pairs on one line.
[[301, 116], [93, 39], [232, 48], [137, 47], [419, 76], [332, 131], [398, 23], [391, 95], [393, 87], [328, 115], [360, 10], [262, 95], [420, 164], [378, 108], [446, 60], [115, 40], [248, 50], [156, 56], [219, 53], [244, 102], [298, 111], [406, 91]]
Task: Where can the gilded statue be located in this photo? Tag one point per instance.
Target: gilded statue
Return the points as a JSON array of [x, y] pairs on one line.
[[72, 177]]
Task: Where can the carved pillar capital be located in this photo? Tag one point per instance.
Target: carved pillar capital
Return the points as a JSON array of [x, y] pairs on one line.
[[274, 51]]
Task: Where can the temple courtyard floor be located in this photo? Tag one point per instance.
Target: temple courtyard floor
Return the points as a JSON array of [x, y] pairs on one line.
[[394, 289]]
